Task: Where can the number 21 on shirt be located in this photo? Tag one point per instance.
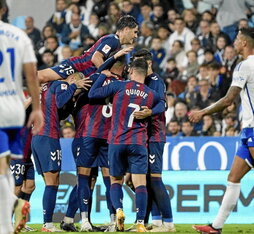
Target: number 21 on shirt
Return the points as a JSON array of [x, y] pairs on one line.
[[9, 56]]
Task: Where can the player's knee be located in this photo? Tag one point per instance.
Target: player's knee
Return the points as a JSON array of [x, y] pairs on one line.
[[232, 177]]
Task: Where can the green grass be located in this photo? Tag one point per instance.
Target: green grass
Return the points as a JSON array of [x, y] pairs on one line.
[[186, 228]]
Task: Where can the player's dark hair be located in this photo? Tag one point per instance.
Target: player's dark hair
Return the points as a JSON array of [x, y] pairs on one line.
[[2, 4], [143, 53], [249, 32], [140, 65], [126, 21]]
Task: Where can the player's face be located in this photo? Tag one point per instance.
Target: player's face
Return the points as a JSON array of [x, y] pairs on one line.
[[130, 34], [239, 42]]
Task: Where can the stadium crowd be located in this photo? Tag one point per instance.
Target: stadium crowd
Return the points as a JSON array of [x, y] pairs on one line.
[[187, 43], [191, 44]]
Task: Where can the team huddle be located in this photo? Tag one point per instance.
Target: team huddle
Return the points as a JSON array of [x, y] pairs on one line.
[[119, 114]]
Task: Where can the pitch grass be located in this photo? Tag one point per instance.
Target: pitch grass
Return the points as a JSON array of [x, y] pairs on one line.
[[186, 228]]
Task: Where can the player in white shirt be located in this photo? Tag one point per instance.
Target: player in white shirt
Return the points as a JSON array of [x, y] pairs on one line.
[[16, 56], [243, 84]]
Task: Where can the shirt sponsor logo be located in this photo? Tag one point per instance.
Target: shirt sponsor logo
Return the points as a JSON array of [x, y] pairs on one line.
[[106, 49]]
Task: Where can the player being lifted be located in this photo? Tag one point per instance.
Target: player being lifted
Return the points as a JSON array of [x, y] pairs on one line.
[[127, 29]]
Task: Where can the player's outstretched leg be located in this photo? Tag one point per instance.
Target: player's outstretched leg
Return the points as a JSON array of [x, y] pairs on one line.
[[206, 229]]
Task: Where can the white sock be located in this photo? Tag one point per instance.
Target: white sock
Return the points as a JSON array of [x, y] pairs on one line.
[[228, 203], [168, 224], [112, 218], [84, 216], [157, 222], [68, 220], [48, 225], [6, 206], [11, 186]]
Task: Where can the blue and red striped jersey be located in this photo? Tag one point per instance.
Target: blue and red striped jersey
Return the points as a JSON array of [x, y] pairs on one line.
[[157, 124], [53, 97], [128, 97], [99, 112], [105, 45], [26, 138], [79, 113]]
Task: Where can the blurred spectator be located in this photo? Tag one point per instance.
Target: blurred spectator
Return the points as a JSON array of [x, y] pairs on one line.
[[48, 59], [128, 8], [93, 25], [86, 7], [187, 128], [100, 9], [202, 72], [73, 8], [205, 36], [51, 43], [192, 65], [158, 53], [229, 120], [209, 57], [47, 31], [163, 34], [196, 46], [158, 17], [171, 72], [208, 127], [66, 53], [217, 134], [216, 32], [68, 131], [146, 12], [232, 109], [190, 20], [221, 44], [181, 110], [215, 78], [230, 12], [243, 23], [114, 14], [103, 30], [57, 20], [190, 93], [177, 52], [173, 128], [181, 33], [146, 35], [205, 95], [33, 33], [207, 15], [230, 131], [170, 106], [74, 33]]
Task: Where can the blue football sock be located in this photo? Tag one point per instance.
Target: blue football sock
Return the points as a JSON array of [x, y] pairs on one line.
[[73, 204], [83, 192], [49, 202], [90, 203], [111, 209], [162, 198], [141, 202], [116, 194]]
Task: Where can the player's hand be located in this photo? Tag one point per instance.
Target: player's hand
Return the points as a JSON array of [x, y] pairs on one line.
[[108, 73], [195, 116], [123, 52], [143, 113], [35, 120], [84, 83]]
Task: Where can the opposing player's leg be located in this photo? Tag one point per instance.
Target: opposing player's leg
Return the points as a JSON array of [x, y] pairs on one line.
[[237, 172]]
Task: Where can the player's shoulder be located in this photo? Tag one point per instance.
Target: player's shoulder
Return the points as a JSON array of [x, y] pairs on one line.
[[12, 31], [111, 37]]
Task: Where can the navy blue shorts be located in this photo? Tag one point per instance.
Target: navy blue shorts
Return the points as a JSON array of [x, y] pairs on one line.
[[21, 171], [47, 154], [93, 153], [10, 143], [155, 156], [76, 148], [131, 158], [64, 69], [246, 141]]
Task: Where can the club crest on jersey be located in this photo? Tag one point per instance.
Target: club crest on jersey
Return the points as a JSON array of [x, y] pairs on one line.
[[64, 86], [106, 49], [154, 78]]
